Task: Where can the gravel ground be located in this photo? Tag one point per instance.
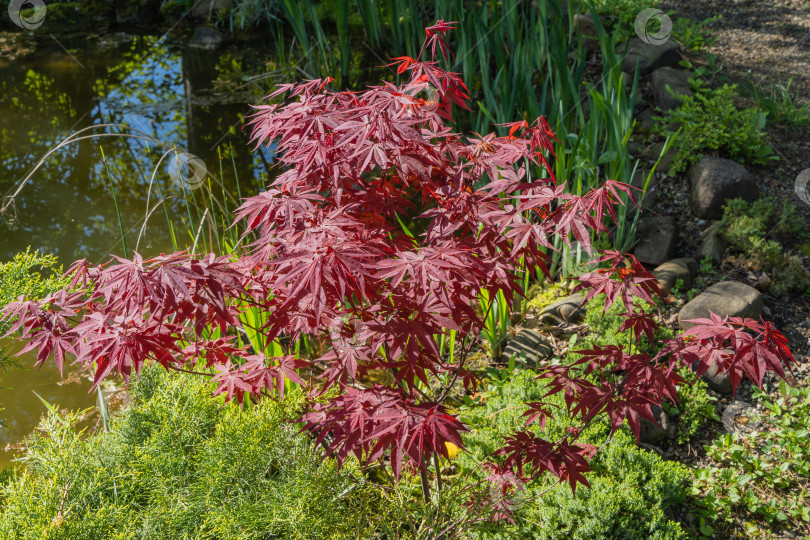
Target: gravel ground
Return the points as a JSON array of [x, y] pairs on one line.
[[768, 41], [758, 42]]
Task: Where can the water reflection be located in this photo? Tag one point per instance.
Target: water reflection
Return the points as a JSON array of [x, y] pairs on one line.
[[140, 81], [160, 87]]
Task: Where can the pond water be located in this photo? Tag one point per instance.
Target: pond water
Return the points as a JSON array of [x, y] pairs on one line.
[[191, 99]]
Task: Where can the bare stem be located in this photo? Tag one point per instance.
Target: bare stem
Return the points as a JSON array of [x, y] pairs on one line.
[[425, 485]]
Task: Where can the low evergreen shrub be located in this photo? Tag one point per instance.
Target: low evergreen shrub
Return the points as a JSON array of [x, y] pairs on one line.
[[178, 464]]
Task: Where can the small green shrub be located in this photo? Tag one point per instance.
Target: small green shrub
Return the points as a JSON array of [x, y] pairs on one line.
[[630, 489], [712, 123], [791, 276], [179, 464], [744, 223], [619, 16], [604, 327], [755, 230]]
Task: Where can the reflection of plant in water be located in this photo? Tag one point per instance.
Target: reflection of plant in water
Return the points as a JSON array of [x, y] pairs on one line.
[[148, 73], [44, 89], [180, 176], [36, 96]]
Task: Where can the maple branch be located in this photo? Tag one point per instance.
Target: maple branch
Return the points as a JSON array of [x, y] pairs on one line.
[[175, 368], [464, 352], [438, 478], [425, 484]]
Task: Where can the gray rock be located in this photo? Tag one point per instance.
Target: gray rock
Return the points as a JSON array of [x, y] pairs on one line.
[[667, 85], [671, 271], [565, 310], [645, 121], [527, 346], [649, 57], [711, 245], [656, 239], [716, 180], [725, 298], [719, 382], [740, 416], [205, 38], [206, 8], [651, 433], [634, 147]]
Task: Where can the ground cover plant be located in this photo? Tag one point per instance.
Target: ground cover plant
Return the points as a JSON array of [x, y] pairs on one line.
[[780, 103], [372, 246], [620, 15], [758, 478]]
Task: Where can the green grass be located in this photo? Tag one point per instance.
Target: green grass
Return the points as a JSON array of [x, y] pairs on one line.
[[780, 104]]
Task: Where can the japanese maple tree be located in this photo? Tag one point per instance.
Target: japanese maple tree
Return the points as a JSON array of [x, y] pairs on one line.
[[333, 260]]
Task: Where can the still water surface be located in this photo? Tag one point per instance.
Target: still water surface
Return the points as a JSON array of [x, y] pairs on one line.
[[190, 99]]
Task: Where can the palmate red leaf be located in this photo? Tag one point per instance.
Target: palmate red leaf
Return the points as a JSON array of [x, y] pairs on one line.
[[568, 462], [56, 340], [626, 280], [372, 421], [232, 382], [739, 346], [538, 412], [640, 324], [216, 351], [606, 197], [403, 63], [270, 373]]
